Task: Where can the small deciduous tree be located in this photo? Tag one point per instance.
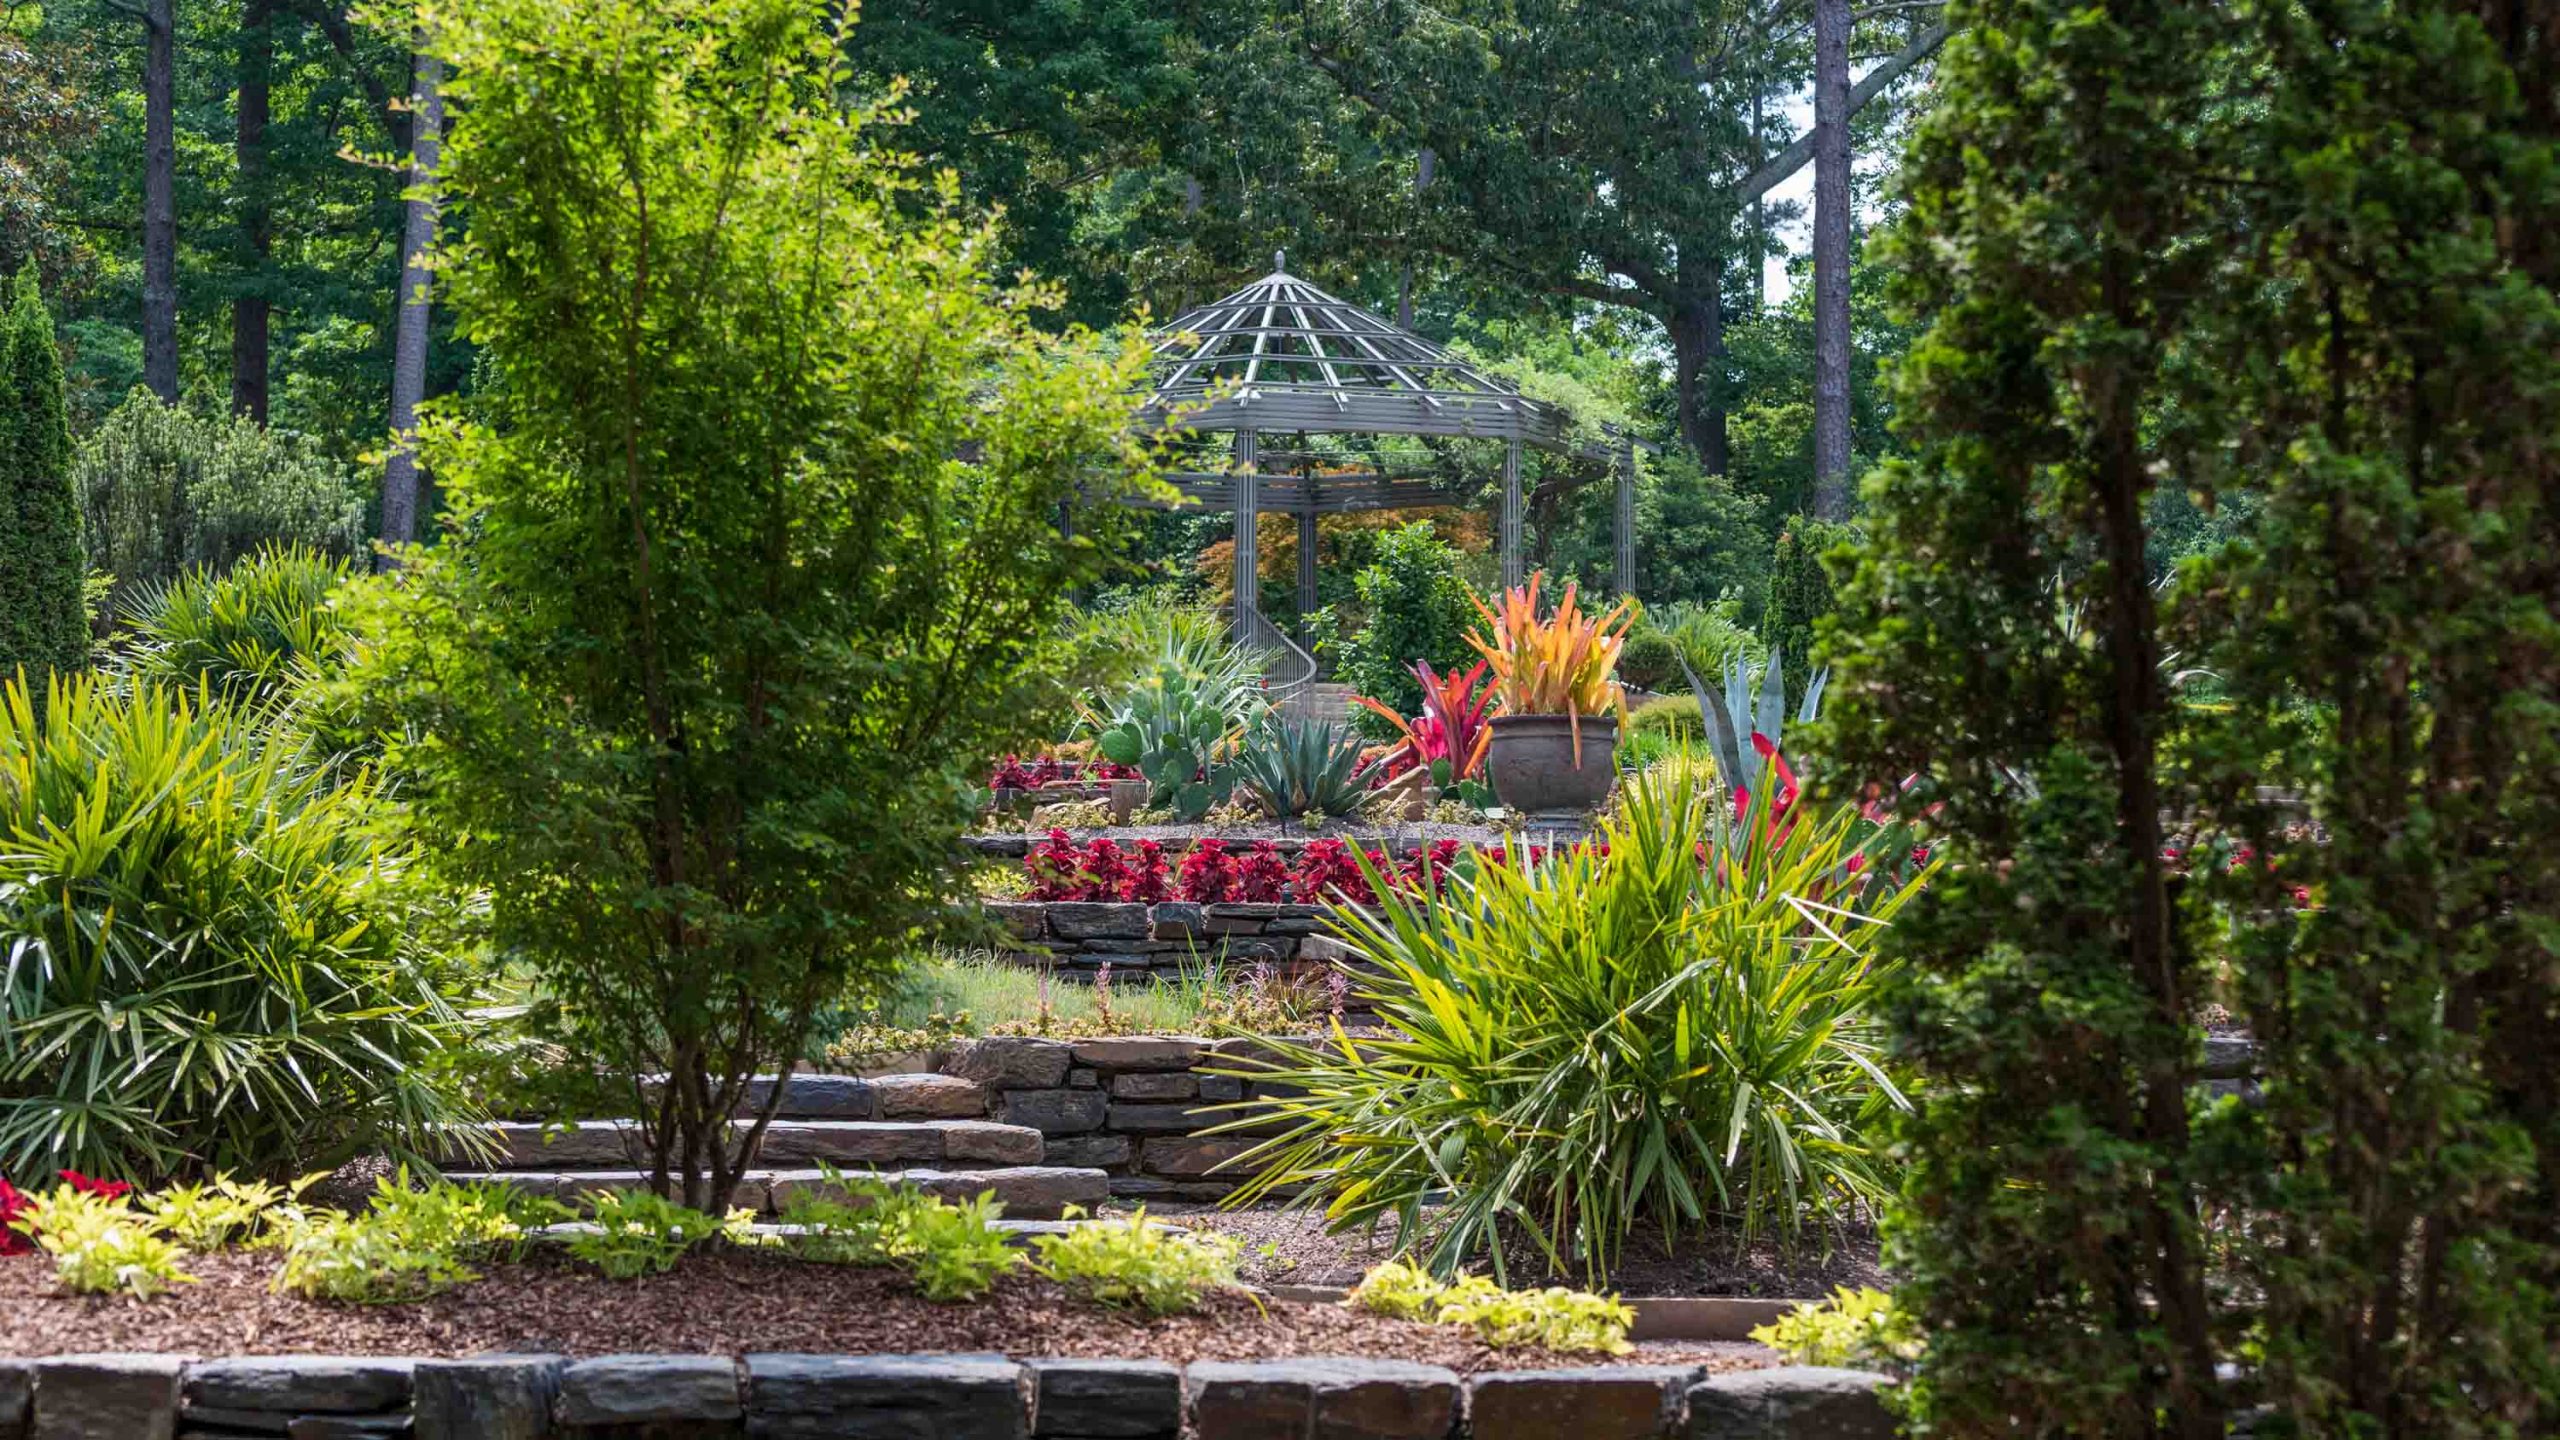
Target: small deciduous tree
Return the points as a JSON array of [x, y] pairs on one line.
[[752, 552], [43, 620]]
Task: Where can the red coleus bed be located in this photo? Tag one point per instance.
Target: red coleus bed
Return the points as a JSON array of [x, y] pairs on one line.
[[1213, 874], [14, 1204], [1016, 773]]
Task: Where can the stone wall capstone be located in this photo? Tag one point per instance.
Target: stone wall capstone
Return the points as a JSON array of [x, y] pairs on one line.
[[952, 1397]]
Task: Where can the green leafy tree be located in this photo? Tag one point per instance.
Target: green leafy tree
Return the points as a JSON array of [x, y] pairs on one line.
[[1413, 605], [2305, 251], [754, 553], [44, 621]]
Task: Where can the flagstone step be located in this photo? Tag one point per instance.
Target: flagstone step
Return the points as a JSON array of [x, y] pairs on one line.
[[1027, 1192], [615, 1144]]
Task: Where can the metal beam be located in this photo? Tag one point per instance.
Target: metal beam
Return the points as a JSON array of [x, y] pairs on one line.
[[1626, 515], [1509, 527], [1248, 575]]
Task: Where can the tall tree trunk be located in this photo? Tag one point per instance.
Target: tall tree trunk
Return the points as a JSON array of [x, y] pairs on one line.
[[1697, 355], [1831, 259], [159, 198], [409, 342], [249, 147], [1759, 209]]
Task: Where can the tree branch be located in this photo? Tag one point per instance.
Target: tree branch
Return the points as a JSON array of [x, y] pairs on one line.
[[1796, 156], [332, 19]]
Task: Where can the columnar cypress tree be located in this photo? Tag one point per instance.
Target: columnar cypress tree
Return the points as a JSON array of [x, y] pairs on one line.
[[43, 625], [1800, 595], [2306, 250]]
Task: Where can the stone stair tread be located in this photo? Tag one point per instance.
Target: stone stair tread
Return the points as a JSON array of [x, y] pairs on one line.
[[946, 1142], [1025, 1191]]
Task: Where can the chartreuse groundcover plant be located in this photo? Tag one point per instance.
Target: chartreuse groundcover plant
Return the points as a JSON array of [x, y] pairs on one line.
[[1554, 1318], [763, 544], [1671, 1028]]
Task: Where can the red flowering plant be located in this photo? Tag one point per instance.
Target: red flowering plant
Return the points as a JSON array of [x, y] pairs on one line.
[[1149, 879], [1056, 869], [1262, 877], [1209, 875]]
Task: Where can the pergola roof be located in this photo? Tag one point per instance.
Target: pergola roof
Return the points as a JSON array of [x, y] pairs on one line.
[[1282, 355]]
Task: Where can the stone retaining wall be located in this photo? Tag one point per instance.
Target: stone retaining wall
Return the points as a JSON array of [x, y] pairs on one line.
[[950, 1397], [1131, 1106], [1081, 936]]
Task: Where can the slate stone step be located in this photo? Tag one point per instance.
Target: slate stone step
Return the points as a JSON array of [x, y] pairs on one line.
[[913, 1095], [615, 1144], [1027, 1192]]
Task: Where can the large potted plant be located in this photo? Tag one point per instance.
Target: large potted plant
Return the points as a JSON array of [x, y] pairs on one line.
[[1555, 744]]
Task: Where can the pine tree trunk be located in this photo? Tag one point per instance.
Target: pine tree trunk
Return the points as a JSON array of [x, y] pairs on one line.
[[1697, 354], [1831, 259], [409, 343], [249, 311], [159, 199]]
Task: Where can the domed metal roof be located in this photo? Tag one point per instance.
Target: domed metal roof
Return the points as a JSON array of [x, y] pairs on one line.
[[1281, 354]]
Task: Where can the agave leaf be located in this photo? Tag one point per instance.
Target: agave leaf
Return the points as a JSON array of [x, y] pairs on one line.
[[1771, 718]]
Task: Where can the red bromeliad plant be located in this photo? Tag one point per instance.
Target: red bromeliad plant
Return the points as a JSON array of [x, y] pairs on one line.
[[1451, 726]]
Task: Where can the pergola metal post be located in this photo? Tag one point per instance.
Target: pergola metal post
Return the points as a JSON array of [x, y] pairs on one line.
[[1248, 500], [1307, 554], [1626, 514], [1508, 529]]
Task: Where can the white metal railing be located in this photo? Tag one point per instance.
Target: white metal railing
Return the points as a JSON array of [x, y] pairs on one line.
[[1290, 681]]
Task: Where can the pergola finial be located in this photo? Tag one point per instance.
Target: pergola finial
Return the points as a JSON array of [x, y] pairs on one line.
[[1279, 262]]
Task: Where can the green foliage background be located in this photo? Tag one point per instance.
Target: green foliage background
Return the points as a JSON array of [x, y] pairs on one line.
[[44, 624]]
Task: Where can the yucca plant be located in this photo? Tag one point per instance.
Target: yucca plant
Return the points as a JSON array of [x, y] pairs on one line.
[[1563, 663], [1673, 1029], [1741, 710], [210, 957], [248, 634], [1299, 767]]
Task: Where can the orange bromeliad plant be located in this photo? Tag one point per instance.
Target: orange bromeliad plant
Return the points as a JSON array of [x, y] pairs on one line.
[[1562, 664]]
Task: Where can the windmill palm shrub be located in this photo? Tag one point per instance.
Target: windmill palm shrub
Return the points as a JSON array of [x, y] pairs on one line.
[[251, 634], [210, 958], [1673, 1029]]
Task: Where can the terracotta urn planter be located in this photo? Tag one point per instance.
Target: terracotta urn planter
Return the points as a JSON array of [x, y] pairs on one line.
[[1533, 766]]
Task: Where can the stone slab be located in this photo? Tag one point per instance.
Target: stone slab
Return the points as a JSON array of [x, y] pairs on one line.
[[929, 1097], [300, 1384], [1141, 1052], [17, 1396], [885, 1397], [1095, 1150], [1191, 1157], [855, 1142], [1155, 1085], [1105, 1399], [1097, 920], [487, 1397], [1605, 1402], [1796, 1402], [1011, 1062], [1054, 1112], [1174, 1119], [1383, 1400], [1175, 920], [986, 1142], [635, 1389], [347, 1427], [87, 1397], [814, 1097]]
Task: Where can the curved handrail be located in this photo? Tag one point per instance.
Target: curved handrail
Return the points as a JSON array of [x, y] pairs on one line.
[[1292, 675]]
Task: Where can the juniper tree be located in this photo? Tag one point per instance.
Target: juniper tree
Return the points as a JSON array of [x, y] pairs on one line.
[[2307, 249]]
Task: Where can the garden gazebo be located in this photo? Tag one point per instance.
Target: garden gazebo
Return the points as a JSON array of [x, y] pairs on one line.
[[1281, 357]]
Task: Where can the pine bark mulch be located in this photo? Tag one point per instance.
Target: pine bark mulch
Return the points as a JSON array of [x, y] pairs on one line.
[[727, 1302]]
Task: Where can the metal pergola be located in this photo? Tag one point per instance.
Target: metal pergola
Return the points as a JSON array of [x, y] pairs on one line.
[[1281, 356]]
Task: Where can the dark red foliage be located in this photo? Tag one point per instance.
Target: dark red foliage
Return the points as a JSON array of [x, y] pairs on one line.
[[1209, 875], [1263, 877], [12, 1205], [1149, 881]]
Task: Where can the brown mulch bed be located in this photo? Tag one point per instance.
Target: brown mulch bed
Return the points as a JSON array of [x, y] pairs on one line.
[[724, 1302], [1292, 1247]]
